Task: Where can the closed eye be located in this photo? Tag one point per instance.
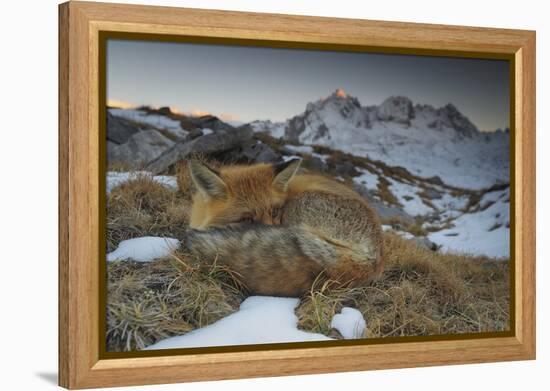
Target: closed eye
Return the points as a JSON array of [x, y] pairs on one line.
[[246, 219]]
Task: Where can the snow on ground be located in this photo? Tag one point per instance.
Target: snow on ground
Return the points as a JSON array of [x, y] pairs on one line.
[[144, 249], [404, 234], [483, 232], [259, 320], [300, 148], [350, 323], [367, 179], [467, 163], [451, 205], [115, 178], [305, 149], [408, 197], [324, 158], [206, 131], [276, 129], [155, 120], [290, 157]]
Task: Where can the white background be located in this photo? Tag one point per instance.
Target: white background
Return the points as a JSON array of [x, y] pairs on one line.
[[28, 218]]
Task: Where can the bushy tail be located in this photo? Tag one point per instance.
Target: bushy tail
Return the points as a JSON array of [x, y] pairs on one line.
[[276, 260]]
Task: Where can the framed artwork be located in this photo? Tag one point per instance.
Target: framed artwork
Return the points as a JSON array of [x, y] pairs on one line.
[[247, 195]]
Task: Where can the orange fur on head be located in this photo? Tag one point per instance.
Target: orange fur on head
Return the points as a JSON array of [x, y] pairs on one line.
[[240, 193]]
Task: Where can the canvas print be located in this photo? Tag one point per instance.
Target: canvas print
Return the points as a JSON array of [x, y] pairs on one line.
[[262, 195]]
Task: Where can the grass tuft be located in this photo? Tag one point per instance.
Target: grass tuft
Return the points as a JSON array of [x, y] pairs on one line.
[[143, 207], [421, 292], [151, 301]]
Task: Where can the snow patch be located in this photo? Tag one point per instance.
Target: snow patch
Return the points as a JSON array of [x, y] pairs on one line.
[[367, 179], [260, 320], [290, 157], [156, 120], [144, 249], [408, 197], [483, 232], [451, 205], [300, 148], [350, 323]]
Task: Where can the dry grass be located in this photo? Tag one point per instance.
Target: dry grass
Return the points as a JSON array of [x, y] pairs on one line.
[[151, 301], [399, 224], [120, 166], [385, 193], [143, 207], [421, 292]]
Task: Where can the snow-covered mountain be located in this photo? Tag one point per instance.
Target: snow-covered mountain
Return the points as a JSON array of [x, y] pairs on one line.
[[425, 140]]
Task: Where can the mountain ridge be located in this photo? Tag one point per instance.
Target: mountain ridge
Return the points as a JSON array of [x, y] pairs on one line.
[[396, 108], [426, 140]]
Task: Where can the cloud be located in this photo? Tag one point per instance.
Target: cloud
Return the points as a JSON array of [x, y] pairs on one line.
[[197, 113], [228, 117], [200, 113], [120, 104]]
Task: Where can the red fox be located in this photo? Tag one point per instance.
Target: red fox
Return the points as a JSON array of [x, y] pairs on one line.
[[279, 230]]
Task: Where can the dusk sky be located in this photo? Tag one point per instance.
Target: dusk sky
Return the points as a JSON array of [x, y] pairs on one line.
[[248, 83]]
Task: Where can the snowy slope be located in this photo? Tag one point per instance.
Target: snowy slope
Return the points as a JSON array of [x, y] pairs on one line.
[[156, 120], [482, 232], [471, 163]]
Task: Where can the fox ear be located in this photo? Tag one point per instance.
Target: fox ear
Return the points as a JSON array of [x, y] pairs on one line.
[[207, 180], [284, 172]]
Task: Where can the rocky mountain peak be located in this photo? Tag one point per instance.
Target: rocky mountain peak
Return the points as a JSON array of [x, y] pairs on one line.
[[339, 101], [396, 108], [340, 109], [449, 116], [340, 93], [325, 114]]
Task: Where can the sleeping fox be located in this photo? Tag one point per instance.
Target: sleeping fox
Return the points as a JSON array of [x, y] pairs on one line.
[[279, 229]]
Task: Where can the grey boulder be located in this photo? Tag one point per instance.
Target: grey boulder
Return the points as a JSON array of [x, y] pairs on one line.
[[139, 149], [220, 141]]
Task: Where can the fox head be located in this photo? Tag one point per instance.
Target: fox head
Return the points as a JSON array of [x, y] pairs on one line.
[[240, 194]]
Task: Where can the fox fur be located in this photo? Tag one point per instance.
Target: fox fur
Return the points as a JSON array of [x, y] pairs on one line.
[[280, 230]]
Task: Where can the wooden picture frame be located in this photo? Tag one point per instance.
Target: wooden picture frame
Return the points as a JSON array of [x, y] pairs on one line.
[[81, 25]]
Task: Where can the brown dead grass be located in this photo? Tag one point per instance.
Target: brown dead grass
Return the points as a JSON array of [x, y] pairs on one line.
[[119, 166], [143, 207], [385, 194], [421, 292], [399, 224], [150, 301]]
